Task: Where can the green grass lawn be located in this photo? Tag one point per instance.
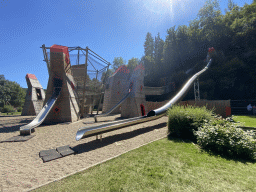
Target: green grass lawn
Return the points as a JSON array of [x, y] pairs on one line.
[[164, 165], [14, 113], [250, 121]]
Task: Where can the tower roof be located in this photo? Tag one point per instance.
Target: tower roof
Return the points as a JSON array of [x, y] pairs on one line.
[[122, 69], [60, 48], [30, 76], [140, 66]]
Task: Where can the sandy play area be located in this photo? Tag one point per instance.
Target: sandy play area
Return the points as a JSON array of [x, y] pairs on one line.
[[22, 169]]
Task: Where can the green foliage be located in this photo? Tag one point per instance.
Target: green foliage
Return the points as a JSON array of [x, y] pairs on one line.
[[232, 75], [19, 109], [231, 5], [149, 45], [183, 121], [132, 63], [8, 109], [118, 61], [227, 139], [11, 92]]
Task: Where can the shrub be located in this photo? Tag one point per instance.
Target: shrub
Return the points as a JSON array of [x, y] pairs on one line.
[[19, 109], [1, 109], [8, 109], [227, 139], [183, 121]]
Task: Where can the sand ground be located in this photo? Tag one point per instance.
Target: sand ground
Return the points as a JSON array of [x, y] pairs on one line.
[[22, 169]]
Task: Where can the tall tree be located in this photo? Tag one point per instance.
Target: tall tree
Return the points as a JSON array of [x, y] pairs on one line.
[[149, 45], [231, 5], [169, 52], [132, 63], [148, 57], [158, 50]]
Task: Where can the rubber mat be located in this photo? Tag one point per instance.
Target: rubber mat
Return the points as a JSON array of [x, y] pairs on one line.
[[65, 150], [52, 154], [19, 138]]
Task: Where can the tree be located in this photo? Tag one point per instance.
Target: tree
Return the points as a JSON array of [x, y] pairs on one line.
[[158, 51], [149, 45], [11, 92], [231, 5], [118, 61], [169, 52], [148, 51], [132, 63], [232, 74]]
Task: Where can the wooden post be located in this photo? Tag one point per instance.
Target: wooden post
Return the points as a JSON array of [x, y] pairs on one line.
[[85, 73], [46, 58], [92, 105], [99, 102], [78, 57], [97, 74], [103, 87]]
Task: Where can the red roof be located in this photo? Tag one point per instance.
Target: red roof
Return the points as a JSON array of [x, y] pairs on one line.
[[122, 69], [140, 66], [30, 76], [60, 48]]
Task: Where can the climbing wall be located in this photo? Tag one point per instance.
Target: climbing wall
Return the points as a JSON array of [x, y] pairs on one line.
[[66, 108], [35, 96]]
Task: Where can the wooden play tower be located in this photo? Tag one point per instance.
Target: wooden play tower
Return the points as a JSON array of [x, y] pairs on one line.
[[35, 96], [87, 68]]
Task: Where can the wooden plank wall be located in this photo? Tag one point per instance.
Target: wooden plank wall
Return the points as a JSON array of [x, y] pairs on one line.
[[220, 105]]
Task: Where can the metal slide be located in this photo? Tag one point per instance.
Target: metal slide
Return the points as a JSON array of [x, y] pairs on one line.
[[113, 108], [152, 115], [26, 129], [118, 104]]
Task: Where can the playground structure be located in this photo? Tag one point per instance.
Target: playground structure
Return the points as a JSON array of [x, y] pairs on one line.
[[125, 93], [68, 97], [60, 80], [87, 76], [35, 96], [135, 105], [151, 115], [116, 89], [64, 93]]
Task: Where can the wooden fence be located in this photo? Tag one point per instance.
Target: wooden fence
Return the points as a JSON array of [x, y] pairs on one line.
[[222, 107]]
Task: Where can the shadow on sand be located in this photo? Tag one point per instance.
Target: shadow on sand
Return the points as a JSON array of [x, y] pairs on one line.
[[95, 144]]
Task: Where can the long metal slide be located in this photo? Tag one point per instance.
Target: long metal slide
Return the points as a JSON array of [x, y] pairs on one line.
[[26, 129], [152, 115]]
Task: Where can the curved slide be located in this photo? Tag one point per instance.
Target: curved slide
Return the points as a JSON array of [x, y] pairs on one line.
[[154, 114], [113, 108], [26, 129]]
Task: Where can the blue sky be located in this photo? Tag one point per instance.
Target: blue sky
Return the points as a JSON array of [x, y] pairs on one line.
[[113, 28]]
